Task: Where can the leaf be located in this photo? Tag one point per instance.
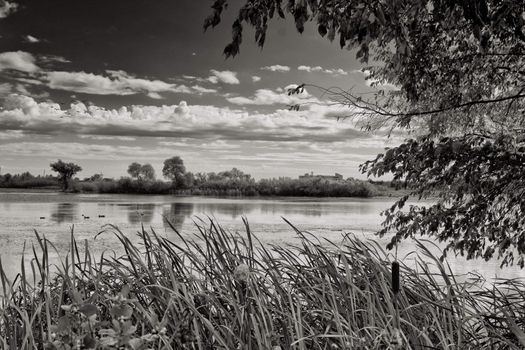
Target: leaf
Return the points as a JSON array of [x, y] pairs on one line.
[[123, 310], [88, 310], [125, 291], [89, 342], [63, 325], [136, 343]]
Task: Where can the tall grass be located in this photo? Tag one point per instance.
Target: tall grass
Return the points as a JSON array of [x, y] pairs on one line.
[[223, 290]]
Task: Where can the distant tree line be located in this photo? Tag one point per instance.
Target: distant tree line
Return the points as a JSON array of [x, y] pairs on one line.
[[234, 182], [28, 180]]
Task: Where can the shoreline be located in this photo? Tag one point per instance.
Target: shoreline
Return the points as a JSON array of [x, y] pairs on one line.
[[56, 191]]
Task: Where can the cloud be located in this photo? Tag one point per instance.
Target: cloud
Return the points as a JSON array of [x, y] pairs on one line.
[[226, 77], [115, 83], [334, 71], [202, 90], [52, 59], [18, 60], [102, 138], [256, 78], [276, 68], [154, 95], [11, 134], [7, 8], [272, 97], [31, 39], [5, 89], [83, 151], [22, 113], [310, 69]]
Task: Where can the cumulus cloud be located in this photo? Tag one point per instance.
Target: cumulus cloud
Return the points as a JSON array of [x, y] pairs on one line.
[[7, 8], [53, 59], [31, 39], [226, 77], [256, 78], [202, 90], [22, 113], [310, 69], [115, 83], [18, 60], [272, 97], [276, 68], [334, 71]]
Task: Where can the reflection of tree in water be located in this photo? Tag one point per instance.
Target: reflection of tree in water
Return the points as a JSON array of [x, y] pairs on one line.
[[64, 212], [235, 210], [176, 213], [141, 213]]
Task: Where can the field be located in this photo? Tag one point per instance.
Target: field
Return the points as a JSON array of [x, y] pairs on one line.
[[222, 290]]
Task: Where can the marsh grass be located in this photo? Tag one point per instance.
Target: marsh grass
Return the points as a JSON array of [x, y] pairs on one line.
[[224, 290]]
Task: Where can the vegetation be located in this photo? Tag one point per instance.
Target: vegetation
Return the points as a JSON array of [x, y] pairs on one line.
[[219, 185], [65, 172], [221, 290], [175, 170], [27, 180], [450, 75], [232, 182], [141, 172], [315, 187]]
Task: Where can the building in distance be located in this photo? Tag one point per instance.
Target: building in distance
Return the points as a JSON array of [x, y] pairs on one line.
[[335, 177]]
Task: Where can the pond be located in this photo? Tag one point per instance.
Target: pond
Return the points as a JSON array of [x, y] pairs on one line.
[[56, 214]]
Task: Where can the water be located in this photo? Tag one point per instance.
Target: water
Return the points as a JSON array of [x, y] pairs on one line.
[[54, 215]]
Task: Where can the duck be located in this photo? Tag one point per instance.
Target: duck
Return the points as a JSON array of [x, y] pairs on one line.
[[85, 217]]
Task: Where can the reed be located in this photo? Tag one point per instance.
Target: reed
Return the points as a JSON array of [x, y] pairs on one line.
[[222, 290]]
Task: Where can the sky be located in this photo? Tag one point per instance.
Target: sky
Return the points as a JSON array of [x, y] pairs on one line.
[[107, 83]]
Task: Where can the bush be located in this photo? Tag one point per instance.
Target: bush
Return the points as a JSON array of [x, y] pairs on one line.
[[27, 180]]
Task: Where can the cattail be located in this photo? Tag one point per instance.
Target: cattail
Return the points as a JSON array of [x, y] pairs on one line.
[[241, 273], [395, 277]]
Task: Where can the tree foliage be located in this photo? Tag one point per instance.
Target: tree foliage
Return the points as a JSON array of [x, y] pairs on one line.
[[175, 170], [457, 89], [65, 171], [147, 172], [134, 170], [141, 172]]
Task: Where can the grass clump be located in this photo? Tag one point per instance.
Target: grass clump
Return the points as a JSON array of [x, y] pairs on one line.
[[223, 290]]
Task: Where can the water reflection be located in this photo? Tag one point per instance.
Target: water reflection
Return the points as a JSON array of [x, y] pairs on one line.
[[176, 213], [233, 210], [64, 212], [141, 213]]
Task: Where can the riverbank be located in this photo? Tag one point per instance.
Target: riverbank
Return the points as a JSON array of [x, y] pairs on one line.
[[227, 291]]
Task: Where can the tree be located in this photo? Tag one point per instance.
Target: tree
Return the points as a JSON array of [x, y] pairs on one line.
[[450, 75], [65, 171], [147, 172], [96, 177], [134, 170], [174, 170]]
